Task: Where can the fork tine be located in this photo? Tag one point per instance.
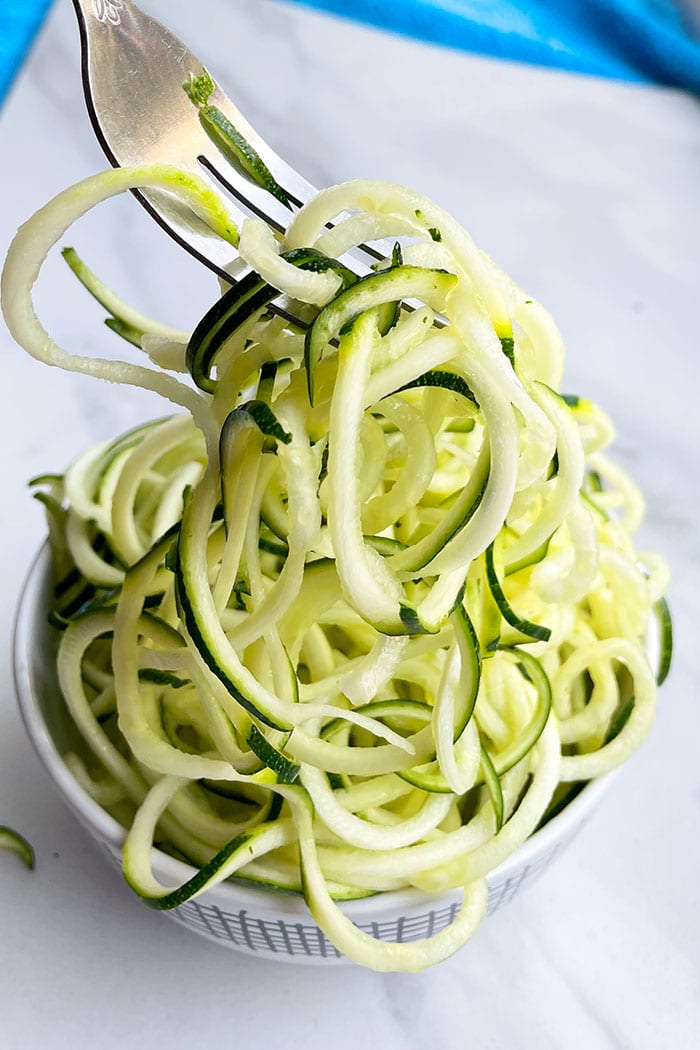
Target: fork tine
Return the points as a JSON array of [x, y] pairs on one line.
[[133, 70]]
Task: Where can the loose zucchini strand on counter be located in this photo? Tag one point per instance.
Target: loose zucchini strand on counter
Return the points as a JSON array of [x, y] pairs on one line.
[[12, 840]]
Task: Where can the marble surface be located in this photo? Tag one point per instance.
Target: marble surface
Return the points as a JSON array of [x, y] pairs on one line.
[[588, 192]]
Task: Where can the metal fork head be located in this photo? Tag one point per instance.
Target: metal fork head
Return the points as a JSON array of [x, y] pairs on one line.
[[133, 72]]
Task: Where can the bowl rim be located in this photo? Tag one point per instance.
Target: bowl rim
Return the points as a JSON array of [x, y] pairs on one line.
[[103, 826]]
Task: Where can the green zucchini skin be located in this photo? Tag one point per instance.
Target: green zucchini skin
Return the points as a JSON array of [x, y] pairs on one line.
[[526, 627], [433, 286], [286, 770], [16, 843], [533, 672], [493, 784], [205, 644], [244, 300], [446, 380], [198, 881], [662, 611]]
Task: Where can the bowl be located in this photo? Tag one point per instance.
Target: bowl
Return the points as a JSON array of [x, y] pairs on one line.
[[266, 923]]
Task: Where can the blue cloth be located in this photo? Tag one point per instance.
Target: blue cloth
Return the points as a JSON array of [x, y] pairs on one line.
[[645, 40], [19, 21]]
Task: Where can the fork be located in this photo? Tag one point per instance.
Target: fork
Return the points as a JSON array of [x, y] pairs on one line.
[[133, 69]]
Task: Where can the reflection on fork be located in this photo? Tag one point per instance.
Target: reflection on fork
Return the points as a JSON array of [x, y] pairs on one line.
[[133, 74]]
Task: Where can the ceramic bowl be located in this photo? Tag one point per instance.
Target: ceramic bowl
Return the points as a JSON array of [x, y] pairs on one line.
[[254, 921]]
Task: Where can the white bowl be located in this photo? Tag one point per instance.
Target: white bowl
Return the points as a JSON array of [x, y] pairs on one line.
[[255, 921]]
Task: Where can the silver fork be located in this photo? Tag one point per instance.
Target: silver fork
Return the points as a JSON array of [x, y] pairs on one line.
[[133, 71]]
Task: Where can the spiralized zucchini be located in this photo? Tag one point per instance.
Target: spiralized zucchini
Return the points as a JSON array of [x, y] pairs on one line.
[[355, 621]]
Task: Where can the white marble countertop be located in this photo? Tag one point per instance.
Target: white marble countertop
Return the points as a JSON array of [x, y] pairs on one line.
[[588, 192]]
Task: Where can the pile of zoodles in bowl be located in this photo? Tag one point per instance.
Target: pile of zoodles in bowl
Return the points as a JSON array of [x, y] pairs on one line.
[[365, 613]]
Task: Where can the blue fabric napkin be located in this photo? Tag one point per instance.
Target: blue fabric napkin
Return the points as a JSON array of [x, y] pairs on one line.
[[647, 40], [19, 21]]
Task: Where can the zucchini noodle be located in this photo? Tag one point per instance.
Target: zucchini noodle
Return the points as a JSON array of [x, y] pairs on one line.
[[353, 622]]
